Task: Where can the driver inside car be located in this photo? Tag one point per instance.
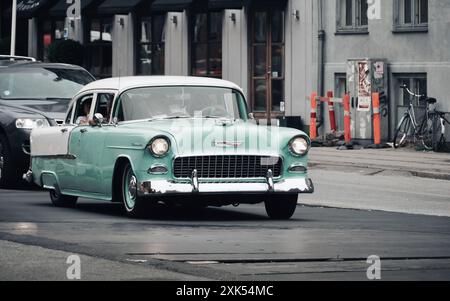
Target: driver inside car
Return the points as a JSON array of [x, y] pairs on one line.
[[86, 105]]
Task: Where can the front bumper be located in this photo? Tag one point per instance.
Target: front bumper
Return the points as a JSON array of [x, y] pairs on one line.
[[287, 186]]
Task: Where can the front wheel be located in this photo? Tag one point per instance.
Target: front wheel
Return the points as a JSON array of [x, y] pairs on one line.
[[132, 203], [281, 206], [60, 200], [401, 133]]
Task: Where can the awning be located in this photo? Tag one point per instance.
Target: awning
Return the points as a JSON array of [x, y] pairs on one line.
[[227, 4], [110, 7], [60, 9], [171, 5], [29, 8]]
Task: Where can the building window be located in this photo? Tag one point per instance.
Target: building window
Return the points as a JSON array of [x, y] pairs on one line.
[[411, 15], [52, 30], [99, 47], [267, 57], [352, 16], [207, 44], [417, 83], [150, 48]]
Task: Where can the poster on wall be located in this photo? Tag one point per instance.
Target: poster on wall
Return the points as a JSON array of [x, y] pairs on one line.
[[364, 86]]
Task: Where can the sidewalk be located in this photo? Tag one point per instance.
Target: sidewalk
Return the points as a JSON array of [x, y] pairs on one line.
[[416, 163]]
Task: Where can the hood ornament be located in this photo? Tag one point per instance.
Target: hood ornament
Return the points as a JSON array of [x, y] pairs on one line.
[[234, 144]]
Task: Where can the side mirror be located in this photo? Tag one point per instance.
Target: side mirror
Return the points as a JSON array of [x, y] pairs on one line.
[[98, 119]]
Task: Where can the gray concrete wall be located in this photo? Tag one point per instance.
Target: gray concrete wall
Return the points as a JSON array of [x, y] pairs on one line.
[[235, 49], [177, 44], [123, 46]]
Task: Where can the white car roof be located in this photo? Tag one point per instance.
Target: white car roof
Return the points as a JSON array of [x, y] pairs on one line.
[[125, 83]]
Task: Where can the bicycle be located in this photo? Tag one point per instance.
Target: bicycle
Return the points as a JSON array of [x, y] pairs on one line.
[[434, 132], [409, 120]]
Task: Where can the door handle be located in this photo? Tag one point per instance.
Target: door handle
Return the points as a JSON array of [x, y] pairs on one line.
[[64, 130], [83, 131]]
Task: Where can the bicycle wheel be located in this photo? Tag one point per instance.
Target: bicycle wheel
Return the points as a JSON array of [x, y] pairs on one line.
[[401, 133], [427, 132], [439, 136]]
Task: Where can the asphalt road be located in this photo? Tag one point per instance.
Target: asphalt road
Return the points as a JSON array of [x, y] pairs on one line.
[[217, 243]]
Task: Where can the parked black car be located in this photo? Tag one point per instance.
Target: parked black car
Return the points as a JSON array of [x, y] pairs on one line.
[[32, 94]]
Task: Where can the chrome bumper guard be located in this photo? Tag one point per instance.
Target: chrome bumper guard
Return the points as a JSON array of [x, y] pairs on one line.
[[162, 187]]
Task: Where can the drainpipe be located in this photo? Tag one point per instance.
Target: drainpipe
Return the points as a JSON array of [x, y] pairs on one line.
[[321, 64]]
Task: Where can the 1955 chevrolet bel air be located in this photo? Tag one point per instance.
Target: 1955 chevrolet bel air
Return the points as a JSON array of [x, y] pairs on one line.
[[183, 140]]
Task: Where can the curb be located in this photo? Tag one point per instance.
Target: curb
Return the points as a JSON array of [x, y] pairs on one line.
[[415, 173]]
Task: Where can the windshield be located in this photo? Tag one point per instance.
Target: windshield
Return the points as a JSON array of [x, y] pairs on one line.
[[179, 102], [41, 83]]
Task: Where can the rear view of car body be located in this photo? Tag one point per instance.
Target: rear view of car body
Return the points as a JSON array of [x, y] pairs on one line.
[[28, 102]]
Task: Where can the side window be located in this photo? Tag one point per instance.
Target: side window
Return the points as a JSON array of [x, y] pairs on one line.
[[104, 104], [118, 110], [83, 108], [69, 115]]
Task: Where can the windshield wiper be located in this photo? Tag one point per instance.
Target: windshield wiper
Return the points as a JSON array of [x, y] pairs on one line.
[[57, 98], [169, 117], [215, 117]]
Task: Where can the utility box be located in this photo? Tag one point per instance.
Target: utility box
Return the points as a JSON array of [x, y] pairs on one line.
[[364, 77]]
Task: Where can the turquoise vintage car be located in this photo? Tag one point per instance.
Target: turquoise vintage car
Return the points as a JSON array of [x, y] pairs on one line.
[[182, 140]]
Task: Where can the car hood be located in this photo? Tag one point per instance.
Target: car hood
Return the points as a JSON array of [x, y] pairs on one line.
[[51, 109], [211, 136]]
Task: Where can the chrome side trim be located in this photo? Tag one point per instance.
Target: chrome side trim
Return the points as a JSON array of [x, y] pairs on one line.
[[68, 157]]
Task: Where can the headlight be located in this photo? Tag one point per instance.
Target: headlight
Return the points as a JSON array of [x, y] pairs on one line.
[[299, 146], [159, 146], [31, 123]]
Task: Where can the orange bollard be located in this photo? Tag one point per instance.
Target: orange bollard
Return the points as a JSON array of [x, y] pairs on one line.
[[313, 122], [376, 118], [347, 119], [331, 111]]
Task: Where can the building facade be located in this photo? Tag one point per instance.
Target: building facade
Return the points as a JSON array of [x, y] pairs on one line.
[[413, 36], [279, 51]]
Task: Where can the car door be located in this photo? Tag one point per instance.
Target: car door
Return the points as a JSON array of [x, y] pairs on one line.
[[70, 171], [53, 143], [91, 140]]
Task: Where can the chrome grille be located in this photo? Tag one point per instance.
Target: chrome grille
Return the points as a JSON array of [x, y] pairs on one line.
[[231, 166]]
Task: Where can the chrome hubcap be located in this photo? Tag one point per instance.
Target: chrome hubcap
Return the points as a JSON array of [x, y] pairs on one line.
[[132, 187], [1, 165], [1, 160]]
